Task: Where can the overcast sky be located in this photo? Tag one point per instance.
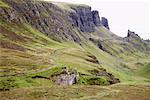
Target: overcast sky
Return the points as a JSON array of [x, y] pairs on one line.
[[122, 14]]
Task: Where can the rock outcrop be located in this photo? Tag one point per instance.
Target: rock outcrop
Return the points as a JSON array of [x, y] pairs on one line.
[[50, 19], [133, 35], [104, 22], [46, 17], [66, 77], [148, 41], [96, 18], [84, 18], [136, 41]]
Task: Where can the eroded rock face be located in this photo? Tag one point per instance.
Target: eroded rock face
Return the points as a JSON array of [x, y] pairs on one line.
[[43, 16], [85, 19], [136, 41], [50, 19], [96, 18], [66, 77], [104, 22], [132, 34]]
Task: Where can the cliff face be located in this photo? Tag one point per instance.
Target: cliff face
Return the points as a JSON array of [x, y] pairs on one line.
[[85, 19], [104, 22], [45, 17], [48, 18], [96, 18], [59, 24]]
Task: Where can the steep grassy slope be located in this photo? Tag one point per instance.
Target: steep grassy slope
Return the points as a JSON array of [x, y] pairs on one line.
[[26, 52], [28, 59], [38, 57]]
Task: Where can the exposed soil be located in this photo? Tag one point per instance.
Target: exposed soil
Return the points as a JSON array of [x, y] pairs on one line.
[[11, 35], [9, 45]]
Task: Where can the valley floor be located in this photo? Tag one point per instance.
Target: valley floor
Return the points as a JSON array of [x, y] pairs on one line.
[[80, 92]]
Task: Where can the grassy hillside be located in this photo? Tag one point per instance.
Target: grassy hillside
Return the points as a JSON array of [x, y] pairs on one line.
[[25, 53], [29, 59]]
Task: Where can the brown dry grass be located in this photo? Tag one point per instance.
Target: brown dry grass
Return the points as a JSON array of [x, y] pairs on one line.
[[9, 45], [114, 92]]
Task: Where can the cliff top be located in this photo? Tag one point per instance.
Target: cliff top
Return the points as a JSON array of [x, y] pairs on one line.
[[65, 5]]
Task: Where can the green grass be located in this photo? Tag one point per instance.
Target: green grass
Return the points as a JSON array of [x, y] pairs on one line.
[[43, 53], [93, 80], [4, 5], [66, 6], [41, 37], [45, 57], [48, 73], [82, 92], [144, 71], [27, 80]]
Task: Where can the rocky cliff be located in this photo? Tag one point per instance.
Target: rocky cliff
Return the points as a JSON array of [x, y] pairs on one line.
[[85, 19], [45, 17], [59, 24], [104, 22], [50, 19]]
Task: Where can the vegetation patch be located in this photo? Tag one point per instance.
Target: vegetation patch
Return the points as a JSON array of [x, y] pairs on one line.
[[11, 35], [4, 5], [144, 71], [93, 59], [93, 80], [48, 73], [7, 84], [9, 45]]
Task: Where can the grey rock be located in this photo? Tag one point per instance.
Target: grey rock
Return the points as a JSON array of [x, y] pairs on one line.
[[48, 18], [132, 34], [96, 18], [43, 16], [104, 22], [85, 19], [148, 41], [65, 79], [136, 41]]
